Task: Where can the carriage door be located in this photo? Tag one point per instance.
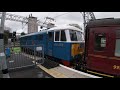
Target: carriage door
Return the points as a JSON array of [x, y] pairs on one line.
[[98, 49], [50, 43]]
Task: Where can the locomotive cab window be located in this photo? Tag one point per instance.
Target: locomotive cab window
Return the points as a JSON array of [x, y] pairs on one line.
[[73, 35], [100, 42], [76, 35], [117, 46]]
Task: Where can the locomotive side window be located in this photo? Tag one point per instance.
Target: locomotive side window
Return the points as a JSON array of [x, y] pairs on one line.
[[100, 42], [117, 46], [63, 36], [57, 35], [50, 36], [73, 35], [79, 36]]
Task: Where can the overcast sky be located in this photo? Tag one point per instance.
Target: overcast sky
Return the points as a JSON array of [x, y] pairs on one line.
[[67, 18]]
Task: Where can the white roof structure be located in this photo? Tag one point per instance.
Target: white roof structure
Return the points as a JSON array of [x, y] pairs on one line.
[[61, 27]]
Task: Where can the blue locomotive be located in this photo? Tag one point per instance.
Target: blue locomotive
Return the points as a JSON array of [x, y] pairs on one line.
[[64, 44]]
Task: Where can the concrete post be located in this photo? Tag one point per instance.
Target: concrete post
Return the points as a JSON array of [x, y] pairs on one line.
[[2, 54]]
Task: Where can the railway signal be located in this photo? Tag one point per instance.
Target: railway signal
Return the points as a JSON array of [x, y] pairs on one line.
[[14, 37], [14, 34]]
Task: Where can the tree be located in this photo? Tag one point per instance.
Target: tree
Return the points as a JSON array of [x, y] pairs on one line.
[[6, 36], [22, 33]]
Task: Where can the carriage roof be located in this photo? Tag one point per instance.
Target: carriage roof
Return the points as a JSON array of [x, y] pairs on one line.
[[103, 22]]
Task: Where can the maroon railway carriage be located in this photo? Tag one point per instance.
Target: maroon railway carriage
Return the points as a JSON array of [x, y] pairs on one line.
[[102, 46]]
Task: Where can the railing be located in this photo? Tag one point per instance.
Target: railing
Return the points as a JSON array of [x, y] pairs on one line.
[[24, 55]]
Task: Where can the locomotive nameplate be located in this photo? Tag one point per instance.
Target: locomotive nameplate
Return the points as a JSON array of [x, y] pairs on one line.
[[58, 44]]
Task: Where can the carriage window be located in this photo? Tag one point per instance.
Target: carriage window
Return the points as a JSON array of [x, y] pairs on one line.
[[100, 42], [117, 46], [50, 35], [73, 35], [63, 36], [57, 35]]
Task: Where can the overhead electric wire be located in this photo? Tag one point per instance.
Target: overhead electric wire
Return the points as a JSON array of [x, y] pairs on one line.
[[58, 16], [61, 15]]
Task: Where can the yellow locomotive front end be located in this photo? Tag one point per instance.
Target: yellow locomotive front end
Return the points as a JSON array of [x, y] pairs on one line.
[[77, 46], [77, 49]]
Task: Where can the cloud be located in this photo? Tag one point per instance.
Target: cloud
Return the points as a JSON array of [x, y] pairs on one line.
[[107, 14], [21, 30], [72, 17], [69, 17]]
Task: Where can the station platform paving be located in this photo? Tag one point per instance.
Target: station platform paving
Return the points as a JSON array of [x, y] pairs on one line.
[[66, 72]]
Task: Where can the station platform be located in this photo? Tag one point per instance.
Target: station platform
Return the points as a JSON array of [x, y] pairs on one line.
[[42, 72], [31, 72], [57, 70], [62, 71]]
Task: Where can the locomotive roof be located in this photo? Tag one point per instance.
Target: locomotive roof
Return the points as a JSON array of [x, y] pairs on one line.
[[55, 29], [65, 27], [104, 22]]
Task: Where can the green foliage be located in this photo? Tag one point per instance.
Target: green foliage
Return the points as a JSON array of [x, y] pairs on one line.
[[16, 49]]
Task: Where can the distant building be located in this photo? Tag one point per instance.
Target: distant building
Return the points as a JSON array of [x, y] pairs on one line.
[[32, 25]]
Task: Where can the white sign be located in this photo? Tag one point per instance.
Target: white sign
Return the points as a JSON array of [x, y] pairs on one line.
[[103, 45], [39, 48], [103, 40]]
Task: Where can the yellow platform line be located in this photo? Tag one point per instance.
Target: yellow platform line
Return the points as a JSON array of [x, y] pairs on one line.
[[52, 72], [100, 74]]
